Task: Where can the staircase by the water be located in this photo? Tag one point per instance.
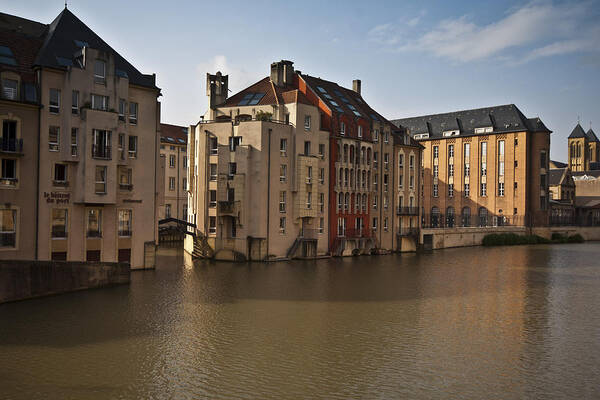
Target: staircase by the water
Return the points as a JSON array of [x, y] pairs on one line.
[[201, 247]]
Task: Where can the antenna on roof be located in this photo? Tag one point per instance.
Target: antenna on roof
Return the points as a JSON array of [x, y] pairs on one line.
[[578, 119], [65, 3]]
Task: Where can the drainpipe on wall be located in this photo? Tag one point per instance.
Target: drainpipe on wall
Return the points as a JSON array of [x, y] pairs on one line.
[[268, 190], [37, 186]]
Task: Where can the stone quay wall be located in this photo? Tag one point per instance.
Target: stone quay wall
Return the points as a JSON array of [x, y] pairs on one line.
[[20, 280]]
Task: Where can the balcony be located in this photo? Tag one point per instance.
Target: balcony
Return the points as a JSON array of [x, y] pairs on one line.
[[101, 152], [407, 211], [408, 231], [228, 208], [11, 145]]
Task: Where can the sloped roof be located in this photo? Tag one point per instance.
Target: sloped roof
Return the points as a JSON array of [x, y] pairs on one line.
[[504, 118], [60, 42], [555, 176], [577, 132], [272, 95], [173, 134], [23, 46], [591, 136], [22, 26]]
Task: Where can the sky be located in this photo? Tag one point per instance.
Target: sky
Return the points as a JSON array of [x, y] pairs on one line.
[[413, 57]]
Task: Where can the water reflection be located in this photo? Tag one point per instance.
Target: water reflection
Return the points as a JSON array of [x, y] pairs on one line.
[[518, 322]]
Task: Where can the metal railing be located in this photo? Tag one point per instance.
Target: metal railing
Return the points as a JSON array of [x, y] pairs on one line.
[[11, 145], [408, 231], [407, 210], [589, 219], [433, 221], [103, 152]]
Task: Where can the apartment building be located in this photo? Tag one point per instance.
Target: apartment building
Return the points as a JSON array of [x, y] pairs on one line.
[[258, 171], [93, 192], [173, 147], [584, 150], [294, 166], [483, 167]]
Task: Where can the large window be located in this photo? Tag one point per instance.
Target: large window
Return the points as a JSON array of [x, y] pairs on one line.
[[172, 161], [8, 228], [10, 89], [212, 225], [212, 198], [99, 102], [100, 183], [283, 147], [125, 222], [100, 71], [133, 113], [122, 108], [307, 122], [125, 178], [94, 222], [171, 183], [75, 102], [74, 132], [133, 146], [9, 141], [283, 173], [282, 201], [8, 172], [213, 172], [54, 101], [60, 174], [59, 223], [53, 138], [101, 146]]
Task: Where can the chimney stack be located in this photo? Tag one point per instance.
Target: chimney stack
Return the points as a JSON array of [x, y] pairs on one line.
[[216, 89], [356, 85], [282, 72]]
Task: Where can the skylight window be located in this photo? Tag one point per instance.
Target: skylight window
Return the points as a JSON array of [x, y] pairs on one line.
[[321, 89], [64, 62], [6, 56], [333, 103], [374, 117], [357, 113], [251, 99], [350, 106], [122, 74], [338, 109], [327, 96], [80, 43]]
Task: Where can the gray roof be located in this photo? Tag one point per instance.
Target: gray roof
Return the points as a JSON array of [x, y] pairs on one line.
[[505, 118], [592, 136], [594, 173], [59, 43], [577, 132], [559, 164], [555, 176]]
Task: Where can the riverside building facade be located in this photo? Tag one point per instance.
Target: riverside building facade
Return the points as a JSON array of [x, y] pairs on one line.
[[83, 187], [483, 167], [286, 168], [173, 147]]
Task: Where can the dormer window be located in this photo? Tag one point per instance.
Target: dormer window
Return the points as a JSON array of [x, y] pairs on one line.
[[342, 128], [487, 129], [99, 71], [451, 133], [421, 136], [360, 131]]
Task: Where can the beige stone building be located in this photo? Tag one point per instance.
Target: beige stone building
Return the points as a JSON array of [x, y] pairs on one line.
[[173, 147], [483, 167], [584, 150], [94, 185]]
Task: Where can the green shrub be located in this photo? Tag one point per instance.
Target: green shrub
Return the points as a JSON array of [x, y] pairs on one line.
[[558, 236], [577, 238], [263, 116], [512, 239]]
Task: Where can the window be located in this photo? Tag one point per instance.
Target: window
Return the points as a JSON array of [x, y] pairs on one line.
[[386, 137], [309, 174], [184, 161], [232, 170], [133, 146], [436, 152], [8, 140], [101, 146], [307, 122], [172, 161], [385, 224], [125, 222], [467, 190], [435, 190], [8, 228], [133, 113], [99, 102], [213, 145], [75, 102], [125, 178], [467, 170], [9, 172], [543, 161], [450, 190], [411, 161], [213, 172], [122, 108], [10, 89], [99, 71], [167, 211], [467, 152], [234, 142], [309, 200], [375, 200], [501, 189], [282, 225], [100, 186], [322, 150], [54, 138], [321, 175], [282, 195], [516, 141], [483, 189], [307, 148], [411, 184], [386, 160], [54, 101], [342, 128], [374, 223], [435, 171], [212, 198], [360, 131], [321, 202], [341, 227], [451, 170], [74, 132], [212, 225], [321, 225], [94, 222], [376, 135], [401, 161], [283, 173], [515, 185], [60, 174], [450, 150], [283, 147], [542, 202], [543, 182], [59, 223]]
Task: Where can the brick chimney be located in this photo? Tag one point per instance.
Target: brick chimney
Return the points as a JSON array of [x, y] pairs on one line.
[[356, 85], [282, 72], [216, 89]]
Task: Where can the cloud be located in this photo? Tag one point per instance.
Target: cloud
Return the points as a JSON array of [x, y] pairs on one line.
[[522, 35]]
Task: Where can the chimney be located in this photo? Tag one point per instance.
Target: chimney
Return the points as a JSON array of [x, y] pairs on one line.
[[356, 85], [216, 89], [282, 72]]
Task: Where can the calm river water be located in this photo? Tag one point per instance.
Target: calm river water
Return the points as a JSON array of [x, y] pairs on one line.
[[473, 323]]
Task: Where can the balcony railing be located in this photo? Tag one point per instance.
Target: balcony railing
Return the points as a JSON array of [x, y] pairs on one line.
[[11, 145], [407, 210], [94, 234], [103, 152], [470, 221], [408, 231], [358, 232]]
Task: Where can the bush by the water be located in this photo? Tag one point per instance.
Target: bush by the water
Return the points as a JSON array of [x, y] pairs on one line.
[[512, 239]]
